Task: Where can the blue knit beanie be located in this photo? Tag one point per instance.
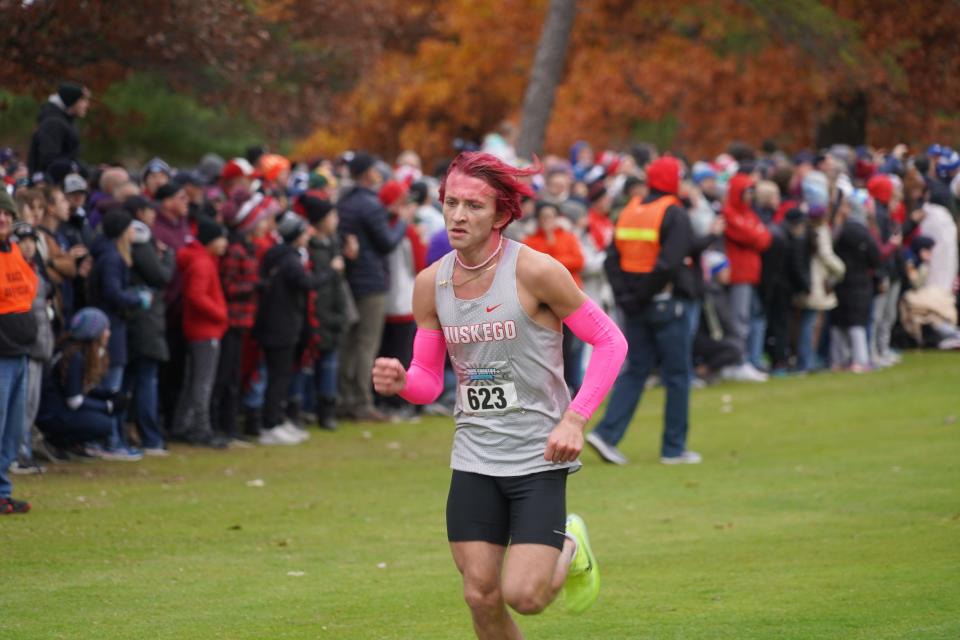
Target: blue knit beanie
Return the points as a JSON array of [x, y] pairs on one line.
[[88, 324]]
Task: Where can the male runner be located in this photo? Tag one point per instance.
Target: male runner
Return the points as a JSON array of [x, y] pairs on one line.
[[497, 307]]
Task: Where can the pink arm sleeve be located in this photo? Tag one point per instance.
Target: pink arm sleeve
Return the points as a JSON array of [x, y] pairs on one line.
[[425, 375], [593, 326]]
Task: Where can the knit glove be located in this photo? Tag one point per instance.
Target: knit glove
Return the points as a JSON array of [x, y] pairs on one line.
[[146, 298]]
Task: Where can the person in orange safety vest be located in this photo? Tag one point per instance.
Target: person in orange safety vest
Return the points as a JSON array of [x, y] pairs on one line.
[[651, 273]]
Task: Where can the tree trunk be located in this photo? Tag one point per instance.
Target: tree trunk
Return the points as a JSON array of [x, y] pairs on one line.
[[848, 122], [545, 76]]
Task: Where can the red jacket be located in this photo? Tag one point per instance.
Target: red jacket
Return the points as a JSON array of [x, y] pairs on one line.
[[746, 237], [204, 307], [565, 250]]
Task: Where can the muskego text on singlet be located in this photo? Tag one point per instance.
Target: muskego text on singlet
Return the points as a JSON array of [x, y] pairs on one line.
[[481, 332]]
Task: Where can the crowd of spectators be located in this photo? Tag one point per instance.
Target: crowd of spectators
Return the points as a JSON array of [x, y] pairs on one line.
[[234, 303]]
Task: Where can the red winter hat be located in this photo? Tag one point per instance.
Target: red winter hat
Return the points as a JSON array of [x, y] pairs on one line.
[[663, 174], [610, 161], [391, 191], [880, 188], [236, 168]]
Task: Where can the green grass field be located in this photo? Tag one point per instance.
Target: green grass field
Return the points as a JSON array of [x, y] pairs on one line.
[[826, 507]]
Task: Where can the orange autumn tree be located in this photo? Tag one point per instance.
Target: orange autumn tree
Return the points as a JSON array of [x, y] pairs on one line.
[[697, 75], [459, 81], [691, 74]]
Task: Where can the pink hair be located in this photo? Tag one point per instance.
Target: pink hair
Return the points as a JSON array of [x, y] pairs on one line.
[[502, 177]]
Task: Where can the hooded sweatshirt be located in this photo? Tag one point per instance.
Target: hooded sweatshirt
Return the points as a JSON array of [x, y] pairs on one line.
[[746, 236], [55, 137], [204, 307]]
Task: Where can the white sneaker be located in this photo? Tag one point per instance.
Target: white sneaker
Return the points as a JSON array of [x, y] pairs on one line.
[[687, 457], [404, 415], [122, 454], [883, 362], [731, 373], [607, 451], [745, 372], [752, 374], [156, 452], [948, 344], [278, 435], [26, 469], [300, 435]]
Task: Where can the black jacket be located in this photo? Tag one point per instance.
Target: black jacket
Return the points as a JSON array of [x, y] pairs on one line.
[[785, 268], [331, 305], [110, 290], [861, 255], [55, 138], [633, 291], [147, 329], [282, 302], [362, 215]]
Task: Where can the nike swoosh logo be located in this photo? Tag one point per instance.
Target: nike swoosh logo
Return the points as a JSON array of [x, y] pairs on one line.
[[489, 309]]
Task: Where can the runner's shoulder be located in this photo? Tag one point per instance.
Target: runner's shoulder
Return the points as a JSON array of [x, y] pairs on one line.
[[535, 269], [428, 277]]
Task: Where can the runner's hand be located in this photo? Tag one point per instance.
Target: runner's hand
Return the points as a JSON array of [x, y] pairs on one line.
[[566, 440], [389, 376]]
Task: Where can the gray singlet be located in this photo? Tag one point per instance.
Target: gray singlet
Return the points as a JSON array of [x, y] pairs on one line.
[[510, 388]]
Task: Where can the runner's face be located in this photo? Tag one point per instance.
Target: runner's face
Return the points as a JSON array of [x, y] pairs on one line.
[[469, 210]]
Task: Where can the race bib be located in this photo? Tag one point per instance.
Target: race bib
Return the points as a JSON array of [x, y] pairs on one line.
[[487, 389]]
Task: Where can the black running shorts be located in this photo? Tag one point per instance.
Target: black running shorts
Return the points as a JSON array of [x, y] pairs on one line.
[[527, 509]]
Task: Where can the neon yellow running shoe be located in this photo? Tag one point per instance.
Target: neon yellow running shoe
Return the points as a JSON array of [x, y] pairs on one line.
[[582, 586]]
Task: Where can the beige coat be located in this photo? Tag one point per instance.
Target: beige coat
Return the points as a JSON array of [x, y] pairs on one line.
[[929, 305], [826, 269]]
